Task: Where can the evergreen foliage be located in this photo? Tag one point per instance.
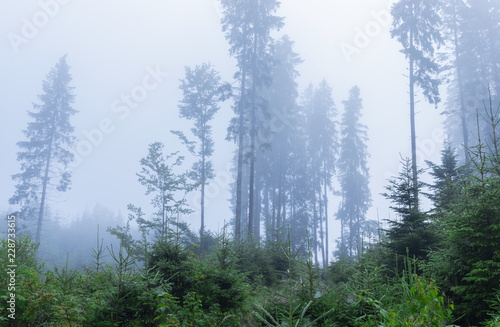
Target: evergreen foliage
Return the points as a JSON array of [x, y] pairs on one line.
[[416, 26], [468, 265], [433, 268], [248, 26], [411, 233], [353, 175], [45, 156]]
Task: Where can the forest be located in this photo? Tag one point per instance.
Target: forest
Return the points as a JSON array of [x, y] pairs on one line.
[[300, 246]]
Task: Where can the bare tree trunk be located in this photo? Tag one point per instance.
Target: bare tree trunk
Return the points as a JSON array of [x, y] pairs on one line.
[[315, 231], [241, 120], [278, 210], [273, 227], [203, 181], [42, 201], [321, 232], [252, 154], [45, 182], [463, 113], [412, 123], [326, 221], [257, 206], [266, 213]]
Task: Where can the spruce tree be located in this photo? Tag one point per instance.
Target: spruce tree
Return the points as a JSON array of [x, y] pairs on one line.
[[445, 189], [467, 264], [282, 139], [353, 175], [481, 62], [45, 155], [411, 233], [472, 34], [248, 25], [416, 26], [322, 147]]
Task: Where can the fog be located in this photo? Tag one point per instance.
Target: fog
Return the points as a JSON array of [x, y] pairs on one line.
[[116, 48]]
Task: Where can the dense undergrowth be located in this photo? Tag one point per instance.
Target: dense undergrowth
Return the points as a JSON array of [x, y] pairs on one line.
[[273, 287]]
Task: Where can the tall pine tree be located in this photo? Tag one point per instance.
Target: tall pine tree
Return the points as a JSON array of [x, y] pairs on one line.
[[322, 147], [45, 155], [248, 24], [457, 115], [353, 176], [416, 26], [278, 139]]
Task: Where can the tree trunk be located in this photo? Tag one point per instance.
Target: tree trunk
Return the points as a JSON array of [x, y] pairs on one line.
[[203, 180], [257, 206], [44, 193], [275, 203], [412, 123], [463, 113], [315, 231], [278, 210], [321, 232], [252, 143], [326, 221], [267, 216], [45, 181], [343, 252], [239, 178]]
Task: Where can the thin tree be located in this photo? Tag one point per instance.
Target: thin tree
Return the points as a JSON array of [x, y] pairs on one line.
[[202, 92], [281, 137], [480, 62], [168, 188], [322, 150], [45, 156], [453, 21], [416, 26]]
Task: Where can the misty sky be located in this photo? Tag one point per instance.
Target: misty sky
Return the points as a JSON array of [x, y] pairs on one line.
[[114, 47]]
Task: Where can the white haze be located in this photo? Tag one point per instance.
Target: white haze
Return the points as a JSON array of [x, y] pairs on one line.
[[111, 46]]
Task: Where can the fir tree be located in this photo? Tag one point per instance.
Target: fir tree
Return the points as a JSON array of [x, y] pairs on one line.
[[45, 156], [322, 148], [277, 138], [452, 13], [445, 189], [467, 265], [248, 25], [411, 233], [416, 26], [353, 175]]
